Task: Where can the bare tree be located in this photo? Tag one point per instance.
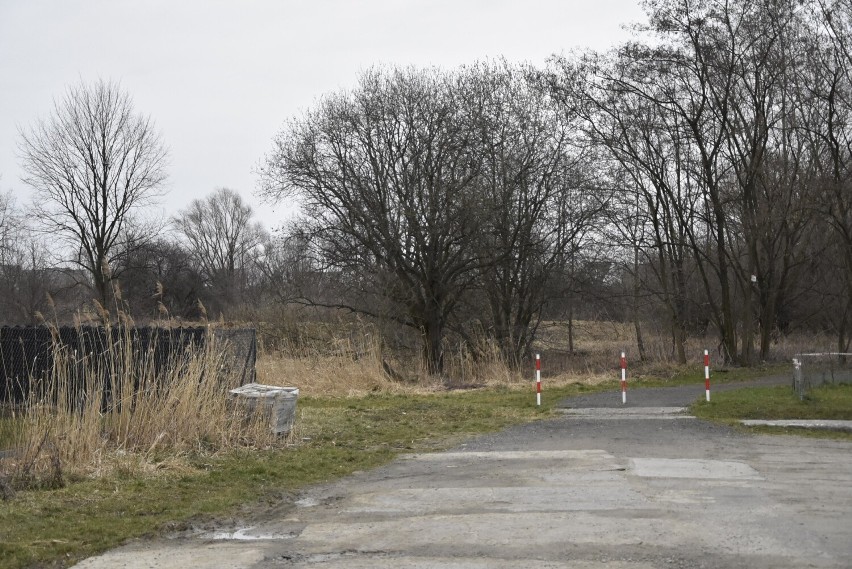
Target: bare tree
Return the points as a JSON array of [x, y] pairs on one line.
[[828, 80], [92, 163], [288, 271], [160, 278], [223, 240], [653, 208], [27, 282], [699, 113], [386, 176], [9, 225], [536, 201]]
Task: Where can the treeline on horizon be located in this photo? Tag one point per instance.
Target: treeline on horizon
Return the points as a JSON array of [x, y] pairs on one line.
[[695, 180]]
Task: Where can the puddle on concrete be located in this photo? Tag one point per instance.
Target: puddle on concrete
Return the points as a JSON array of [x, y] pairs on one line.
[[307, 502], [242, 535]]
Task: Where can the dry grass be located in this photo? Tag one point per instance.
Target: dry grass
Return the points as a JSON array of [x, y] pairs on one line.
[[597, 351], [359, 364], [349, 358], [184, 412], [346, 367], [786, 347], [142, 419], [328, 356]]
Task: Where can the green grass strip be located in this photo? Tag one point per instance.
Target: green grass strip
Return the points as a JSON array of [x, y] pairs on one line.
[[781, 402]]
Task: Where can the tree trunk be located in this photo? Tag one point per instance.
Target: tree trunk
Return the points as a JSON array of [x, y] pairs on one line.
[[433, 349], [767, 324], [843, 339], [103, 283], [747, 352], [571, 325], [843, 330], [640, 344], [727, 329]]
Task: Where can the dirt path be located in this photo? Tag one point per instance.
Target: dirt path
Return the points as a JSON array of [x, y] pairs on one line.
[[651, 490]]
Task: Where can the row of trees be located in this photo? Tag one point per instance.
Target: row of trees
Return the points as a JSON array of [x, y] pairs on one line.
[[443, 201], [207, 261], [730, 121], [96, 165], [709, 157], [702, 172]]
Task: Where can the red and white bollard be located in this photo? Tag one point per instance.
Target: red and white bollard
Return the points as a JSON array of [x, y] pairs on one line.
[[707, 374], [623, 379], [538, 380]]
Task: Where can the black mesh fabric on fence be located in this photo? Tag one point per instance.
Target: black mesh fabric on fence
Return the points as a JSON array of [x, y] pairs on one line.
[[241, 346], [41, 353]]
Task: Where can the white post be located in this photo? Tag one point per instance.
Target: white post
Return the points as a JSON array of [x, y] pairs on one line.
[[623, 379]]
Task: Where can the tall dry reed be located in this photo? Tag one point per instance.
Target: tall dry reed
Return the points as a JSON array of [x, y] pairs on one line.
[[125, 409]]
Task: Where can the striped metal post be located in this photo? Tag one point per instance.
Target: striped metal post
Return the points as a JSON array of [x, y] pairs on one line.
[[707, 374], [538, 380]]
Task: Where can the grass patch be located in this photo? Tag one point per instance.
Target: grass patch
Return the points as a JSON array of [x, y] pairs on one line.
[[832, 402], [657, 375], [334, 437], [829, 402], [802, 432]]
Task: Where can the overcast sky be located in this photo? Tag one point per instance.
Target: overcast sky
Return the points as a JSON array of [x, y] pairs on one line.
[[219, 78]]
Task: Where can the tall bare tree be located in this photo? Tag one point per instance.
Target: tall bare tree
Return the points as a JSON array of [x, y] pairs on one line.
[[537, 203], [828, 80], [92, 163], [653, 208], [698, 111], [223, 239], [386, 176], [9, 225]]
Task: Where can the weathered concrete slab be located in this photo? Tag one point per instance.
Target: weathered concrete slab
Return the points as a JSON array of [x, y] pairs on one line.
[[223, 555], [623, 413], [692, 468], [394, 562], [626, 410], [802, 424], [414, 501], [569, 492], [488, 531], [561, 455]]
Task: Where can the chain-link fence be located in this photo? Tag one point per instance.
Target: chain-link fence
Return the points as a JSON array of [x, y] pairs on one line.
[[814, 370]]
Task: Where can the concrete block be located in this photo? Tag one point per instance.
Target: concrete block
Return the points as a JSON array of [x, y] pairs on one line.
[[277, 403]]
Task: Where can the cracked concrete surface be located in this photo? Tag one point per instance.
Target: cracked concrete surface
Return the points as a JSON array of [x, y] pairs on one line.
[[582, 491]]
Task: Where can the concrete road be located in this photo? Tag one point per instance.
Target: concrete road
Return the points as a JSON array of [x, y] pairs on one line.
[[599, 488]]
